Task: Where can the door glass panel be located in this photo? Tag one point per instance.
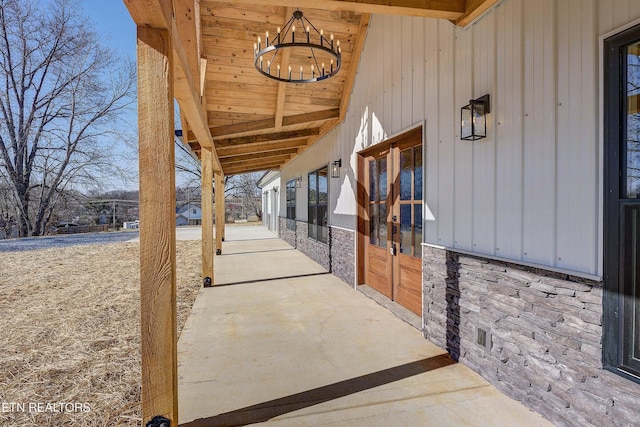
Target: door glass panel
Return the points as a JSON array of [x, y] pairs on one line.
[[405, 229], [382, 224], [405, 174], [373, 224], [633, 122], [417, 173], [373, 175], [632, 286], [417, 221], [382, 178]]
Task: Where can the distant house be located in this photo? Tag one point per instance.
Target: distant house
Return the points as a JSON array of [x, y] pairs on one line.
[[189, 215]]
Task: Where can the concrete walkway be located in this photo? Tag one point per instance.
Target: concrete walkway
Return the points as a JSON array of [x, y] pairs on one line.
[[281, 341]]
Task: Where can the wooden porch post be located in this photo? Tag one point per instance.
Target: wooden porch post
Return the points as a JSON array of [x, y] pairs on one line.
[[220, 209], [207, 216], [158, 225]]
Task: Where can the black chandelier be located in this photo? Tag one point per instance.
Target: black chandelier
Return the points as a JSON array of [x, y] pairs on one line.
[[321, 56]]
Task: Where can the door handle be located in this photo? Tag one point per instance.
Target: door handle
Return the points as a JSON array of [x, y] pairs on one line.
[[392, 250]]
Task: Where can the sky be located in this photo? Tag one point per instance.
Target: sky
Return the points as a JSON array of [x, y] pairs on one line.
[[112, 21], [117, 31]]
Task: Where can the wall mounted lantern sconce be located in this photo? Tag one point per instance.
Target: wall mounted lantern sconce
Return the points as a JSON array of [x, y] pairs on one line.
[[335, 168], [473, 119], [299, 182]]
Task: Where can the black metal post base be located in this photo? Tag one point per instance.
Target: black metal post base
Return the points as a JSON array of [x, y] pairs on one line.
[[218, 251], [159, 421], [207, 282]]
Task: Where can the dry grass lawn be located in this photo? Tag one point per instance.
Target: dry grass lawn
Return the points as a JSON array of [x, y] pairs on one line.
[[70, 333]]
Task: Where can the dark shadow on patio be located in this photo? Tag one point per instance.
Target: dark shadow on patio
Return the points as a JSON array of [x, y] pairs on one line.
[[269, 279], [273, 408]]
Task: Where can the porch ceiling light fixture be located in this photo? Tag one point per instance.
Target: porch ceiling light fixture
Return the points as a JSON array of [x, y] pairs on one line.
[[335, 168], [312, 56], [473, 119]]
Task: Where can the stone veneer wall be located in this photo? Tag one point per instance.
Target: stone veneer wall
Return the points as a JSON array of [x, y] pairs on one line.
[[342, 245], [285, 234], [317, 251], [545, 332], [337, 255]]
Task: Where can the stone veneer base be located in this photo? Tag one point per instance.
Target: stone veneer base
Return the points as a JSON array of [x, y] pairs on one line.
[[337, 255], [544, 333]]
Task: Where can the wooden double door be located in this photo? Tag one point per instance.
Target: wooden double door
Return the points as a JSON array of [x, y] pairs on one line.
[[391, 204]]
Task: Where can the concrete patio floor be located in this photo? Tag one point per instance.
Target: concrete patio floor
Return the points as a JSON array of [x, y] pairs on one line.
[[281, 341]]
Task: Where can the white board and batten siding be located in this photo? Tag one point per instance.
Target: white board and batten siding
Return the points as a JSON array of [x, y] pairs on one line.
[[530, 192]]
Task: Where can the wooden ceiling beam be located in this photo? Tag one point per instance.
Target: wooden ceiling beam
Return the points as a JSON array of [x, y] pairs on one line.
[[240, 171], [296, 119], [237, 168], [160, 14], [353, 68], [249, 161], [311, 117], [282, 86], [323, 130], [266, 137], [443, 9], [261, 147], [257, 155], [473, 9], [242, 127]]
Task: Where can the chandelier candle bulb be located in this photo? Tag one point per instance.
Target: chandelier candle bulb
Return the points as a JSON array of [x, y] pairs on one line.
[[323, 69], [259, 41], [289, 72], [279, 35], [313, 74], [308, 34], [301, 73], [278, 70], [331, 37], [293, 34], [266, 38]]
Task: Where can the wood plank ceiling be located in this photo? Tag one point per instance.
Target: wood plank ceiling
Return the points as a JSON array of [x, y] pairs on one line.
[[257, 123]]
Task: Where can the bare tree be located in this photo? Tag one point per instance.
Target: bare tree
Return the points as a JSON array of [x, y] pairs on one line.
[[61, 93], [7, 211], [245, 188]]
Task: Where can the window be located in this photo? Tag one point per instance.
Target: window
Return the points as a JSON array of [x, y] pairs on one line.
[[411, 201], [318, 201], [291, 204], [621, 316]]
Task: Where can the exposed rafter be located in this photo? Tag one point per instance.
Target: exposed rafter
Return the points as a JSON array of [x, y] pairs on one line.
[[278, 136], [444, 9], [262, 155], [473, 9], [262, 147], [266, 124]]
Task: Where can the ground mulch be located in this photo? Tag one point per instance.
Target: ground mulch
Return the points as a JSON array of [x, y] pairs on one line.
[[70, 333]]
